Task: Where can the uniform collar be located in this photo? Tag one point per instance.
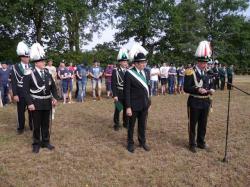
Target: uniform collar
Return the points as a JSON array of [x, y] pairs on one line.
[[199, 70], [123, 69], [143, 72], [23, 65], [39, 70]]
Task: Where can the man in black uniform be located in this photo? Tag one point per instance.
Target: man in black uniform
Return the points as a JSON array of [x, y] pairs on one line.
[[222, 73], [196, 83], [117, 83], [210, 74], [18, 72], [40, 94], [216, 75], [137, 97]]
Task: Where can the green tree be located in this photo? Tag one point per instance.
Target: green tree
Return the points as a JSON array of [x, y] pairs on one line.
[[106, 53], [80, 19], [220, 19], [143, 20], [184, 32]]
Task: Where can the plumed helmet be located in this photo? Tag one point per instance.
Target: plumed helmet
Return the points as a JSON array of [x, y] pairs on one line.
[[122, 55], [203, 52], [22, 50], [37, 53], [137, 53]]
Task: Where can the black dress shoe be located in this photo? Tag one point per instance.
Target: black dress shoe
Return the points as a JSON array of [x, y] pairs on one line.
[[48, 146], [145, 147], [116, 127], [19, 132], [131, 148], [192, 149], [202, 146], [125, 125], [36, 149]]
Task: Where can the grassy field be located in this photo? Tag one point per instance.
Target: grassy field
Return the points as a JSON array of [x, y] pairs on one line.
[[90, 153]]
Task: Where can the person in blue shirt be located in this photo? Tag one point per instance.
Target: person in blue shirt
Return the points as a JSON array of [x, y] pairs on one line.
[[5, 82], [66, 77], [171, 79], [82, 79], [96, 73]]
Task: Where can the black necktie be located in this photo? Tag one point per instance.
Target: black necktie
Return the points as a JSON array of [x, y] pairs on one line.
[[26, 66], [141, 73], [42, 74]]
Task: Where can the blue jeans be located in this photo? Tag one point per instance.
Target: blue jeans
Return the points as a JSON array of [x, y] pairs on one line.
[[171, 84], [154, 87], [4, 89], [81, 89]]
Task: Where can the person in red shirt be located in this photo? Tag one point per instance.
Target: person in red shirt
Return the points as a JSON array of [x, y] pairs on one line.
[[108, 75]]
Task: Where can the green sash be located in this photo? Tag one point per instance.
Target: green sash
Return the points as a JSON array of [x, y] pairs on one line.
[[139, 75], [21, 68]]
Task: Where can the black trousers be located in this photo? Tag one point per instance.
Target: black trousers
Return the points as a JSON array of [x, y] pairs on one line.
[[197, 116], [216, 83], [141, 116], [21, 107], [230, 80], [222, 83], [117, 114], [41, 120]]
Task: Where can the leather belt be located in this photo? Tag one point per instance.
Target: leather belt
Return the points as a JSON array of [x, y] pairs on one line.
[[200, 96], [41, 97]]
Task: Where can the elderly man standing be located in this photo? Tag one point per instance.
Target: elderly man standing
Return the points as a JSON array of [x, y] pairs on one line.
[[196, 83], [18, 73], [117, 85], [40, 94], [137, 96]]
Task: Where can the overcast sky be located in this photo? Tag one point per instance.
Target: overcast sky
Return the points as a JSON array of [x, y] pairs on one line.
[[108, 35]]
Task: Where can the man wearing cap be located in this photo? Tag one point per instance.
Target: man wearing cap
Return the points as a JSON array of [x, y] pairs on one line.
[[117, 85], [137, 96], [18, 73], [40, 95], [196, 83]]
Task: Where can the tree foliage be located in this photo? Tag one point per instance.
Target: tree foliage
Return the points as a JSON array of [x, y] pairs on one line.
[[170, 30]]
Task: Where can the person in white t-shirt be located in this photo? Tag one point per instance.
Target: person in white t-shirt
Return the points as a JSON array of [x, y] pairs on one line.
[[52, 69], [154, 73], [164, 77]]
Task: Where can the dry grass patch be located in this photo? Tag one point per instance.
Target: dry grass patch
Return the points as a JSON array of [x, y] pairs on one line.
[[90, 153]]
